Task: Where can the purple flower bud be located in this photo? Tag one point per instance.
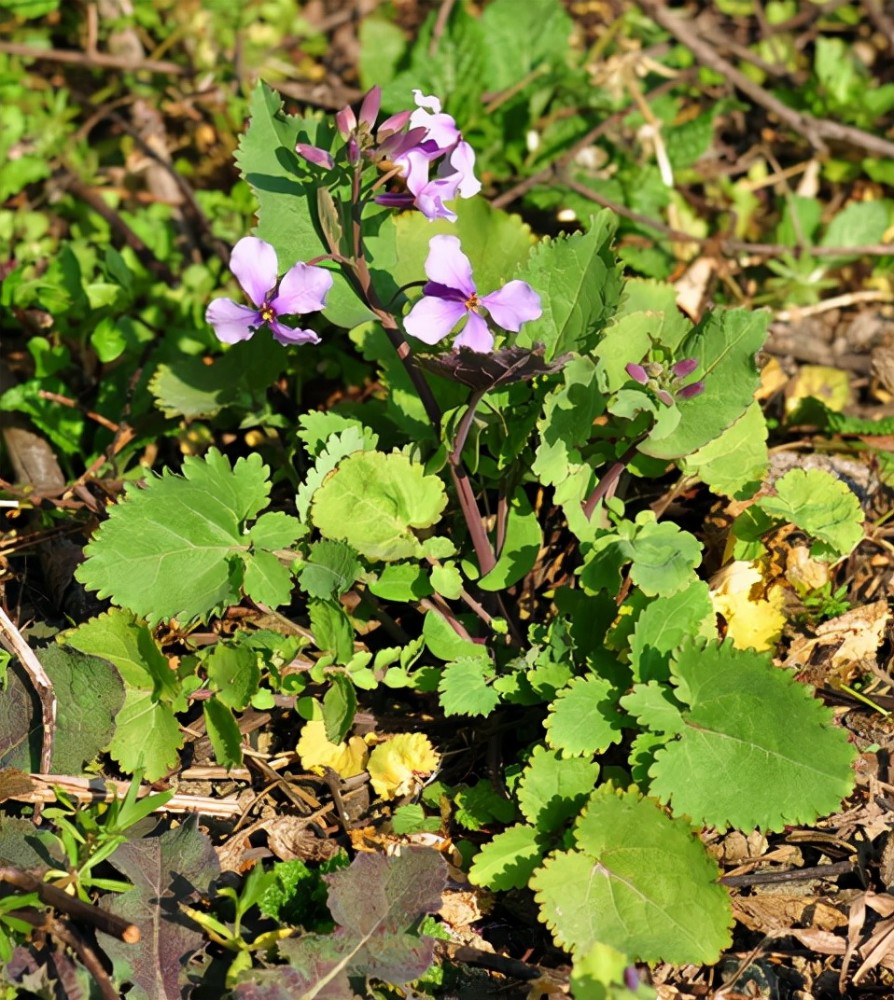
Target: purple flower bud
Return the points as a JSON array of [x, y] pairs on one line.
[[687, 392], [637, 373], [369, 109], [346, 121], [665, 397], [686, 367], [631, 978], [313, 154], [353, 148]]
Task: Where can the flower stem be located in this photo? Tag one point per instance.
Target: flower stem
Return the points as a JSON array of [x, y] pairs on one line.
[[608, 483]]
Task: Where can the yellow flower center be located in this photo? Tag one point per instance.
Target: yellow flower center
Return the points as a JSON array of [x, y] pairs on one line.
[[267, 314]]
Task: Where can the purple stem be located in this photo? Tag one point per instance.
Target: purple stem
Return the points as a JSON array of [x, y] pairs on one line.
[[607, 484]]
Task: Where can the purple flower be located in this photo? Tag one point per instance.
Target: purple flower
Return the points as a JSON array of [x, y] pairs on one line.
[[450, 296], [667, 383], [302, 290]]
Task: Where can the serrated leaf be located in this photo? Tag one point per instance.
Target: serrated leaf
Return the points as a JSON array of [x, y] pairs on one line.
[[223, 732], [664, 624], [129, 645], [579, 283], [233, 673], [554, 788], [281, 181], [147, 736], [638, 881], [757, 749], [584, 718], [734, 463], [823, 506], [266, 580], [376, 904], [339, 708], [166, 871], [466, 688], [329, 570], [724, 344], [276, 530], [654, 707], [507, 861], [175, 548], [338, 446], [332, 629], [374, 502], [89, 696]]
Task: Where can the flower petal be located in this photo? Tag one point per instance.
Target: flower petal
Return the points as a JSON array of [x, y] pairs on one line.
[[231, 321], [369, 109], [448, 265], [430, 202], [253, 261], [432, 319], [346, 121], [286, 335], [429, 103], [515, 303], [302, 290], [313, 154], [462, 159], [475, 336]]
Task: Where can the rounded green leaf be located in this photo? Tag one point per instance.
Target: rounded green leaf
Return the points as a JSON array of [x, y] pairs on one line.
[[639, 882], [374, 502], [584, 718]]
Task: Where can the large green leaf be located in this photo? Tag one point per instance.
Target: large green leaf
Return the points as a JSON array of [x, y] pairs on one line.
[[756, 748], [637, 881]]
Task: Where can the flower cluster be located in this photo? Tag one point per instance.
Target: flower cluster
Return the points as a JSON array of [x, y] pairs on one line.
[[667, 383], [303, 289], [433, 140]]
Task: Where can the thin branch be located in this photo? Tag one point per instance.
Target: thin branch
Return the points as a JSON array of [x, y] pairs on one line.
[[815, 130], [94, 60]]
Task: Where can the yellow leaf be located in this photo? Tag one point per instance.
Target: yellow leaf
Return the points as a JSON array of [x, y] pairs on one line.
[[830, 385], [395, 767], [316, 752], [753, 611]]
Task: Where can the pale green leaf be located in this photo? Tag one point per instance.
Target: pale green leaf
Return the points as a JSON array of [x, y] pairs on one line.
[[507, 861], [338, 446], [734, 463], [233, 673], [374, 502], [147, 736]]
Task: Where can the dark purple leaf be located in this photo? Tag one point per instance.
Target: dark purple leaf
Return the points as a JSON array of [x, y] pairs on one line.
[[487, 371]]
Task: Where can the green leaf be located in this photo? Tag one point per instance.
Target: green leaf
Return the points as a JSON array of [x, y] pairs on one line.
[[118, 637], [638, 882], [147, 736], [276, 530], [553, 788], [223, 731], [579, 283], [281, 181], [584, 719], [329, 570], [507, 861], [331, 629], [664, 624], [735, 463], [239, 379], [655, 707], [521, 545], [374, 501], [447, 580], [401, 582], [233, 673], [338, 446], [444, 643], [89, 696], [524, 39], [481, 805], [724, 344], [339, 707], [266, 580], [466, 688], [822, 506], [757, 749], [176, 548], [857, 224]]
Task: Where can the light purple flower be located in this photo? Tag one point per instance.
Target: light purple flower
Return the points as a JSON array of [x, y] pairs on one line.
[[450, 296], [303, 289]]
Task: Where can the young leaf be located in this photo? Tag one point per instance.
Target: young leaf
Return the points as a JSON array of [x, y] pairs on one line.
[[223, 731], [233, 673], [821, 505], [637, 881], [166, 870], [374, 501], [147, 736], [177, 547], [664, 624], [507, 861], [584, 718], [466, 688], [756, 749], [552, 789]]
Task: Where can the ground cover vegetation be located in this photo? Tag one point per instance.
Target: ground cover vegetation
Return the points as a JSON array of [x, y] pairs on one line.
[[446, 472]]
